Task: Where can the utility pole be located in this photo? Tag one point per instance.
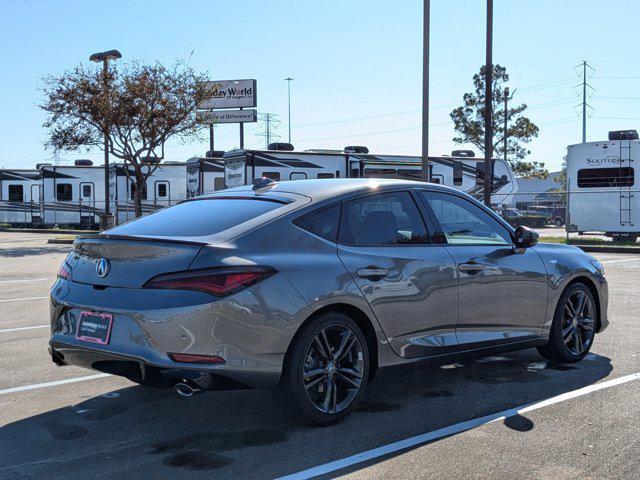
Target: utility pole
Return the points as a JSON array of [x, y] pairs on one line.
[[268, 121], [211, 138], [426, 170], [506, 112], [488, 108], [584, 65], [288, 80]]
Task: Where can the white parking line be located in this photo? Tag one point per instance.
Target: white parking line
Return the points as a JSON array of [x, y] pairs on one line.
[[451, 430], [21, 299], [25, 281], [53, 384], [18, 329], [621, 260]]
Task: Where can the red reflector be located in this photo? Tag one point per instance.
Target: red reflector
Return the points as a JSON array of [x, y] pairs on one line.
[[215, 282], [64, 272], [189, 358]]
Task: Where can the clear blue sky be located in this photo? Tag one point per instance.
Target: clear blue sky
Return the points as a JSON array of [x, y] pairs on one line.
[[356, 64]]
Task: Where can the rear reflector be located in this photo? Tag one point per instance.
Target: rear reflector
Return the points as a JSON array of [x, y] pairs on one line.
[[188, 358], [218, 282]]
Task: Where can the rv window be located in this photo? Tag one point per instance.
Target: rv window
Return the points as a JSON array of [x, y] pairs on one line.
[[143, 194], [64, 192], [605, 177], [355, 173], [409, 174], [325, 175], [162, 190], [323, 222], [16, 193], [457, 174], [480, 173], [272, 175], [195, 218], [86, 191], [218, 183], [380, 173], [298, 176]]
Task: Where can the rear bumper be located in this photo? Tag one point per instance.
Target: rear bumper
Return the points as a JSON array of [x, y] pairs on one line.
[[250, 330]]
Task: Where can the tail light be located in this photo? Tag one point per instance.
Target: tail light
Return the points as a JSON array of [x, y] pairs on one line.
[[64, 272], [219, 282]]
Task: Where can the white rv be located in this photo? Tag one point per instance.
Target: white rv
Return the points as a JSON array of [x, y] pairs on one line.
[[166, 186], [462, 171], [602, 185], [20, 197], [204, 175]]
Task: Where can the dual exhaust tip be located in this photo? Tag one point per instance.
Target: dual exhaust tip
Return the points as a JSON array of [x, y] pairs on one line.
[[187, 390]]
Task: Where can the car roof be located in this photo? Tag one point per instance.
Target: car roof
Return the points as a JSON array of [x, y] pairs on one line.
[[321, 189]]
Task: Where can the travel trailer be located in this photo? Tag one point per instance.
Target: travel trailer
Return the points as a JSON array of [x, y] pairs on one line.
[[204, 175], [602, 185], [20, 197], [461, 170], [166, 186]]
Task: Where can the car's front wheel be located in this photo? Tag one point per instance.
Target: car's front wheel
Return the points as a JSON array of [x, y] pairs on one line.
[[326, 369], [574, 326]]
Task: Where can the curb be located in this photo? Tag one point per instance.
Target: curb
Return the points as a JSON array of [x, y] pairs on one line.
[[61, 241], [606, 249], [49, 231]]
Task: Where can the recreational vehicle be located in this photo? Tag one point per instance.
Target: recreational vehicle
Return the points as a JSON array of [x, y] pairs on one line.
[[461, 170], [20, 197], [204, 175], [602, 184], [166, 186]]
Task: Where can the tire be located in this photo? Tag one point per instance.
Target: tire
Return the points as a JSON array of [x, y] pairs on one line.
[[558, 222], [565, 346], [624, 237], [310, 397]]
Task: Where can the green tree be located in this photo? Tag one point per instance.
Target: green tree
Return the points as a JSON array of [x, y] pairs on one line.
[[468, 121], [142, 107]]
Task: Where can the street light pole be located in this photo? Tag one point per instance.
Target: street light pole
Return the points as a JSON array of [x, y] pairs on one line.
[[488, 108], [104, 57], [288, 80], [426, 171]]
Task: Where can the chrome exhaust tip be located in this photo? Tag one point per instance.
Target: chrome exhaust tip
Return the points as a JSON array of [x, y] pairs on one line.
[[186, 390]]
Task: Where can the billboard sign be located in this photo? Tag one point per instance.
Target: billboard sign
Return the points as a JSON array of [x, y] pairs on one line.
[[230, 94], [226, 116]]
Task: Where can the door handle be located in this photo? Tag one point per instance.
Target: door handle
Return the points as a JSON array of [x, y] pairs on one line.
[[470, 268], [372, 273]]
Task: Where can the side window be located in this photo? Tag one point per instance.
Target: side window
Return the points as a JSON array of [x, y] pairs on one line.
[[382, 219], [272, 175], [297, 176], [323, 222], [463, 222], [143, 194], [325, 175], [86, 191], [64, 192], [162, 190], [457, 173], [16, 193]]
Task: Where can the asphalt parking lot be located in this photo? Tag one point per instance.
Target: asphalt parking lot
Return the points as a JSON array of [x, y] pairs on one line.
[[507, 416]]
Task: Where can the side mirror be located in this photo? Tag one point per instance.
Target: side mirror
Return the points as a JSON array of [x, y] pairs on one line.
[[525, 237]]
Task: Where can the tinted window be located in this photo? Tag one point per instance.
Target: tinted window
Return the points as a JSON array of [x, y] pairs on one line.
[[198, 217], [272, 175], [605, 177], [457, 173], [297, 176], [323, 223], [16, 193], [325, 175], [383, 219], [162, 190], [463, 222], [143, 193], [86, 191], [64, 192]]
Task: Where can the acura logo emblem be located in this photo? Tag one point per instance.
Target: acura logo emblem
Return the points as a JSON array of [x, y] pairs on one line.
[[102, 267]]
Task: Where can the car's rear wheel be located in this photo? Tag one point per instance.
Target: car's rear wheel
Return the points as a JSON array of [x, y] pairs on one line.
[[326, 370], [558, 222], [574, 326]]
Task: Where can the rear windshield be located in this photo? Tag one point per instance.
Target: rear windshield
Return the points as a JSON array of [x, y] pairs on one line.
[[197, 218]]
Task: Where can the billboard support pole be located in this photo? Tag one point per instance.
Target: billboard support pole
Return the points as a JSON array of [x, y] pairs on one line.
[[241, 133]]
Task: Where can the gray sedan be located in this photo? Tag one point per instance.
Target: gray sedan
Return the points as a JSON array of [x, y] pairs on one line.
[[309, 287]]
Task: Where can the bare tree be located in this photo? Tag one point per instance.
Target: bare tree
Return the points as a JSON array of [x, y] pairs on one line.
[[142, 107]]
